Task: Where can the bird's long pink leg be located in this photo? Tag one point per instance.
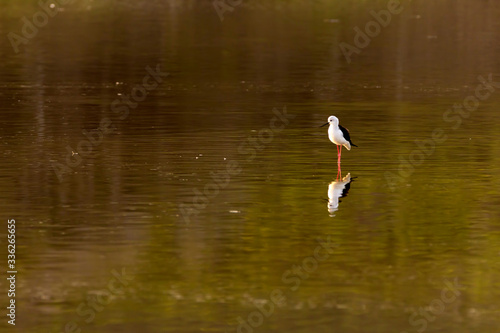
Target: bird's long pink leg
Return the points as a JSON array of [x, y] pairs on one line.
[[339, 171]]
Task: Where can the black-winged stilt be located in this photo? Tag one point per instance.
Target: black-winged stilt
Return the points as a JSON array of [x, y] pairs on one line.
[[338, 135]]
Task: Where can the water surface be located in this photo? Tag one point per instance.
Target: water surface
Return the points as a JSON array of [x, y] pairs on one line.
[[400, 237]]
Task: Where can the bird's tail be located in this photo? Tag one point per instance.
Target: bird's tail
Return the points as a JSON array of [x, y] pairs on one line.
[[352, 144]]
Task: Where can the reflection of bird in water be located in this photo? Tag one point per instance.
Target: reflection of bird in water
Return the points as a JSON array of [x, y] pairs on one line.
[[338, 135], [336, 190]]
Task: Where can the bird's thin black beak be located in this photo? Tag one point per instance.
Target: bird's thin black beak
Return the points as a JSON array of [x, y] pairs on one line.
[[324, 125]]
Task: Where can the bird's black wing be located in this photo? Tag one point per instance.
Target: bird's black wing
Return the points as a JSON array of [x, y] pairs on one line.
[[345, 132]]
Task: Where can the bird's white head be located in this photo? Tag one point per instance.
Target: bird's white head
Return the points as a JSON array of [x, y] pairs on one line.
[[332, 120]]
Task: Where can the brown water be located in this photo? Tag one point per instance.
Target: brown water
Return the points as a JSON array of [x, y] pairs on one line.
[[118, 240]]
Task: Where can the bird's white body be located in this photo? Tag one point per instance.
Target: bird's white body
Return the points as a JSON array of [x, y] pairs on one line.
[[335, 134]]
